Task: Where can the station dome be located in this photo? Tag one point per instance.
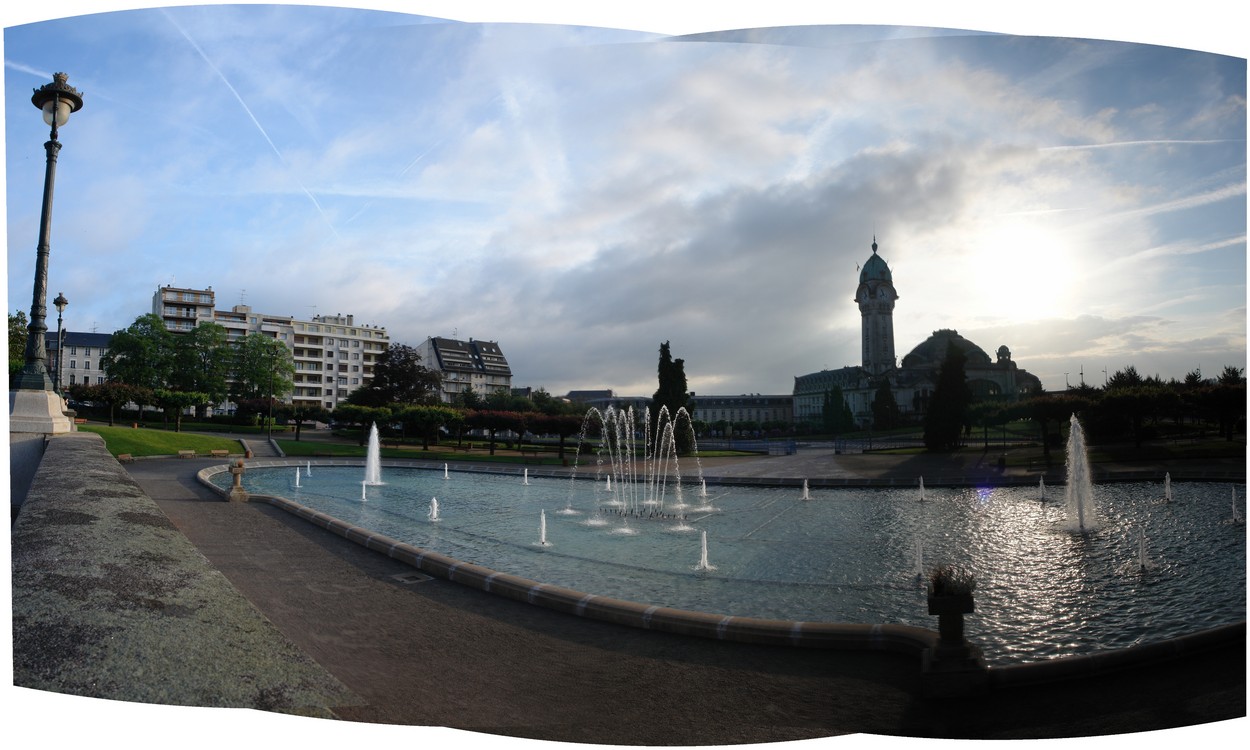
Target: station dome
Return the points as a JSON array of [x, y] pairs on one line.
[[932, 351]]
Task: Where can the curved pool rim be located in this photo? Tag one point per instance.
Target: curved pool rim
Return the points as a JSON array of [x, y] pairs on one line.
[[904, 639]]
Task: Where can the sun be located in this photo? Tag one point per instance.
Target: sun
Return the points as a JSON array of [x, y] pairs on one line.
[[1020, 268]]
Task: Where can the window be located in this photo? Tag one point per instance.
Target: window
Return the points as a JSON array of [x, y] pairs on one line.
[[73, 350], [86, 365], [355, 381], [71, 378], [355, 344], [99, 380], [88, 353], [73, 365], [355, 355]]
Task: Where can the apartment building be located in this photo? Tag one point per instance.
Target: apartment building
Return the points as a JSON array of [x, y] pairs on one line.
[[83, 352], [333, 355], [479, 365]]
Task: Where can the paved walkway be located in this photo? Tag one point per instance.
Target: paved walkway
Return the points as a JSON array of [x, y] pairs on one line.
[[431, 653]]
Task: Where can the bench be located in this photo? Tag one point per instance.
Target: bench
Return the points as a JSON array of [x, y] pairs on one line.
[[186, 454], [80, 420], [125, 458], [219, 452]]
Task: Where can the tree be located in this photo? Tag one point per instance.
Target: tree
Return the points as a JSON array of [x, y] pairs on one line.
[[426, 420], [945, 419], [884, 407], [201, 363], [400, 378], [672, 393], [141, 354], [179, 401], [301, 412], [111, 394], [361, 415], [17, 344], [261, 367], [836, 416]]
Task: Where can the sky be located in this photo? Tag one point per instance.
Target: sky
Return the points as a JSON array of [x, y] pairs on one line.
[[582, 191]]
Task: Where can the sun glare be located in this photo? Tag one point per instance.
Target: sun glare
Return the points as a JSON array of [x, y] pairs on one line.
[[1021, 269]]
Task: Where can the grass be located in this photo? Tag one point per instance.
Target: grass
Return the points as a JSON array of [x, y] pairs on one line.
[[147, 442]]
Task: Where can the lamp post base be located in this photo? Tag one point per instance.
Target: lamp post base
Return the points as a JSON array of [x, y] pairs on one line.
[[38, 412]]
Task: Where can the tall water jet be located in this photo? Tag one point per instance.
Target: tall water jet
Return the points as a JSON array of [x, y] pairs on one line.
[[373, 462], [806, 495], [445, 474], [1082, 515], [1167, 487], [526, 480], [364, 491], [1041, 487], [703, 563], [433, 515], [542, 529], [921, 489], [309, 467], [296, 477]]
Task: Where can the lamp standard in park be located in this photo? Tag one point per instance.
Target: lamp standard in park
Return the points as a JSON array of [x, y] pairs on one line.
[[60, 303], [33, 405]]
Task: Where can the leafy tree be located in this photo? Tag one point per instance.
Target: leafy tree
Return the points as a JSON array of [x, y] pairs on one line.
[[673, 394], [469, 399], [179, 401], [426, 420], [836, 415], [364, 416], [111, 394], [884, 407], [201, 363], [1126, 378], [948, 407], [400, 378], [1231, 376], [301, 412], [17, 344], [141, 354], [261, 367]]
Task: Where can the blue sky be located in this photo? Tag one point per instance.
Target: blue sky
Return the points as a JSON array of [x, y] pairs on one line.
[[581, 194]]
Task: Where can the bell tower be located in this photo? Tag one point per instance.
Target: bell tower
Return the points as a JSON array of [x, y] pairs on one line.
[[876, 297]]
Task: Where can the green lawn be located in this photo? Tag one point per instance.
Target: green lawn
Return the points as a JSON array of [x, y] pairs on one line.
[[146, 442]]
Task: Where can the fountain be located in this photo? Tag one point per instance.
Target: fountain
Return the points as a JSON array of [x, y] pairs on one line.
[[1082, 516], [542, 529], [922, 489], [364, 491], [1167, 487], [297, 478], [806, 495], [1142, 561], [445, 474], [853, 557], [373, 463], [1041, 487], [526, 480], [433, 514], [309, 467], [703, 565]]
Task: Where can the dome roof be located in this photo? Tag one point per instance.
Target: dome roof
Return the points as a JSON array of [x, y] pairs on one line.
[[875, 268], [932, 351]]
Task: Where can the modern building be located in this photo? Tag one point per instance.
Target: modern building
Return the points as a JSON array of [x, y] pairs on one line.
[[463, 365], [83, 352], [914, 381], [333, 355]]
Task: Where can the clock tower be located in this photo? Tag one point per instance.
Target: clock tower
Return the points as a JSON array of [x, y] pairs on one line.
[[876, 296]]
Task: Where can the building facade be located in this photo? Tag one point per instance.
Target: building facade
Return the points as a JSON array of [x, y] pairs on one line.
[[479, 366], [914, 380], [333, 355], [81, 364], [756, 408]]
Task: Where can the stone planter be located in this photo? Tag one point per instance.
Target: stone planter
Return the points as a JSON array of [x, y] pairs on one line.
[[950, 611]]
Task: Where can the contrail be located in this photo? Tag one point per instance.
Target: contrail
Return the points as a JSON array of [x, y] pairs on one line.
[[248, 110], [1120, 144]]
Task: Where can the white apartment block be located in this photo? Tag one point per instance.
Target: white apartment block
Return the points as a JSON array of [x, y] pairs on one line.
[[81, 361], [333, 355], [479, 365]]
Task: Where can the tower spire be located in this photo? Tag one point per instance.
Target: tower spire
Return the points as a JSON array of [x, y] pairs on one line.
[[874, 243]]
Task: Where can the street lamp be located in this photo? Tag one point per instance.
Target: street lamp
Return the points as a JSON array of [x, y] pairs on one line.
[[60, 302], [57, 100]]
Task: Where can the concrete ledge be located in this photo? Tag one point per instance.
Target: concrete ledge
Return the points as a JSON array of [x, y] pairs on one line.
[[110, 600]]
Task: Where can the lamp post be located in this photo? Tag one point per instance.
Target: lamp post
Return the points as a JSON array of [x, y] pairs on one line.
[[60, 302], [57, 100]]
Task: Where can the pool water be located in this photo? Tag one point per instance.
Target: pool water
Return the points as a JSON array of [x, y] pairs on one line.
[[845, 555]]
